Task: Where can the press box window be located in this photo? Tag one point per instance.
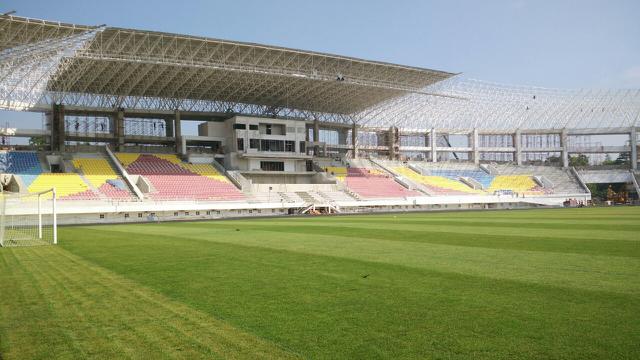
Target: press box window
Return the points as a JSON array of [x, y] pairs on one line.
[[253, 127], [239, 126]]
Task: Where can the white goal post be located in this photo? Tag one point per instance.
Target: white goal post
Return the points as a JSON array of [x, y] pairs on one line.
[[28, 219]]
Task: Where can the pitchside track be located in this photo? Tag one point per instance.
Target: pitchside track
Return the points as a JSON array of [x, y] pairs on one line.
[[497, 285]]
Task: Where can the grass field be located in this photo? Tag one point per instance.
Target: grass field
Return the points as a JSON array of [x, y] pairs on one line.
[[534, 284]]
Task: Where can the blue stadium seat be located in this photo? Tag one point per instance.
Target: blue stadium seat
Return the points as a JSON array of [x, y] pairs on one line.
[[25, 164]]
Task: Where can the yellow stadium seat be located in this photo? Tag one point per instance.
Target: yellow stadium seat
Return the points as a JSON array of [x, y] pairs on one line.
[[173, 158], [518, 183], [435, 181], [97, 171], [65, 184], [339, 172], [207, 170], [127, 158]]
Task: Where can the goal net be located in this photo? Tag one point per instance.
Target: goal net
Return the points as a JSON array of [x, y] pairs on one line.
[[28, 219]]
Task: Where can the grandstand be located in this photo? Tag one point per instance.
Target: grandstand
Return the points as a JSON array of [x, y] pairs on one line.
[[326, 133]]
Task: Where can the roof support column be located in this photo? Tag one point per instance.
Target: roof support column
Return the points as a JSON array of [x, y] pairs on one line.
[[342, 140], [433, 137], [392, 141], [118, 128], [474, 146], [354, 140], [633, 140], [183, 145], [564, 142], [178, 132], [168, 127], [517, 143], [316, 136], [57, 128]]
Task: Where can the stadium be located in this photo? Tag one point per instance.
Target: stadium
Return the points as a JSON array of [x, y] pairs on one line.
[[366, 207]]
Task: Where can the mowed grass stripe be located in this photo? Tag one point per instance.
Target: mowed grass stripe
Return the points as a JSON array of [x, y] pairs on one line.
[[625, 248], [515, 230], [99, 314], [324, 307], [580, 215], [626, 225], [590, 272]]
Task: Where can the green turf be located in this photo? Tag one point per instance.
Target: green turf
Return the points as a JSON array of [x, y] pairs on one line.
[[497, 285]]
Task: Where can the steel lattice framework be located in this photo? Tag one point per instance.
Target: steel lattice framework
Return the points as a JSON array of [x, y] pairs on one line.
[[465, 104], [112, 67], [99, 67]]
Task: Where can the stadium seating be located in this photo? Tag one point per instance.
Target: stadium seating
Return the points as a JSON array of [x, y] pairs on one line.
[[173, 179], [25, 164], [437, 185], [68, 186], [480, 176], [516, 183], [103, 177], [340, 172], [372, 184]]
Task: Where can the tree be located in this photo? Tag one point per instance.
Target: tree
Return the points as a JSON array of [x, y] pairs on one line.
[[552, 160], [38, 142], [622, 159], [579, 161]]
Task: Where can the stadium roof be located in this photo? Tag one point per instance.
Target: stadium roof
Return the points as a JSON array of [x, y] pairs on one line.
[[105, 67], [467, 103], [100, 67]]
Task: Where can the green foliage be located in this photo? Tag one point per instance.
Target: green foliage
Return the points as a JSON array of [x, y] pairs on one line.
[[38, 142], [622, 159], [579, 161], [553, 160], [531, 284]]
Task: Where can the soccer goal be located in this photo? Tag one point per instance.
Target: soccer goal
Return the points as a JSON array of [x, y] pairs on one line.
[[28, 219]]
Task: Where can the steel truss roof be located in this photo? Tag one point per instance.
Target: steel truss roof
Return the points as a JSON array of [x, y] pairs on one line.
[[44, 62], [467, 104], [112, 67]]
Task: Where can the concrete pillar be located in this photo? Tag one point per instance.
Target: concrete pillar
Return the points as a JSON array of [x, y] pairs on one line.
[[354, 140], [382, 140], [168, 127], [517, 143], [433, 141], [178, 132], [118, 128], [392, 138], [633, 141], [564, 142], [183, 145], [316, 130], [342, 139], [475, 146], [57, 128], [316, 136]]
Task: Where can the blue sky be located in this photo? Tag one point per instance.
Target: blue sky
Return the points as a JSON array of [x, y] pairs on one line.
[[564, 43]]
